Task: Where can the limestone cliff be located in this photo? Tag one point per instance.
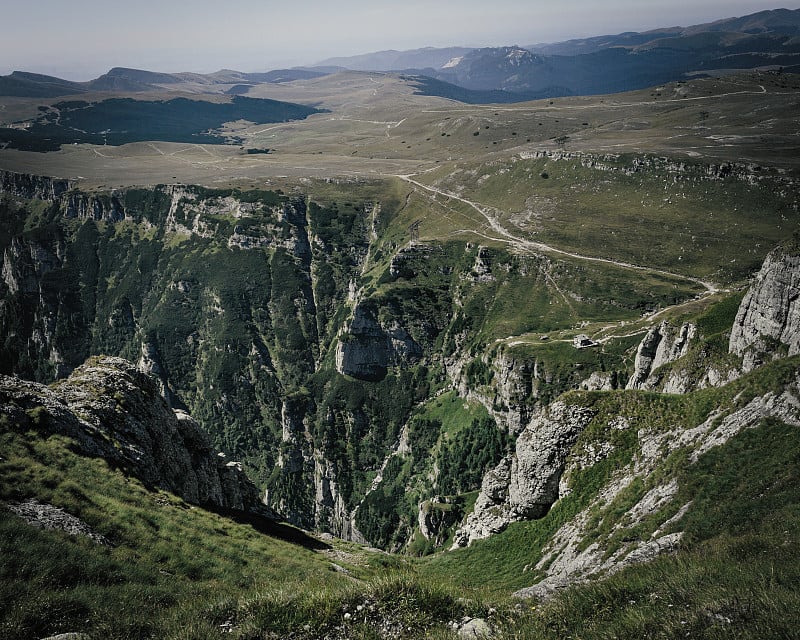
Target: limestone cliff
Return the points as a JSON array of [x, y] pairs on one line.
[[769, 315], [70, 202], [662, 344], [576, 551], [525, 484], [26, 265], [28, 186], [367, 349], [112, 410], [92, 207]]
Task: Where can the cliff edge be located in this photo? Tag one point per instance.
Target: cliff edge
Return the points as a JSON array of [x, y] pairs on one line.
[[112, 410]]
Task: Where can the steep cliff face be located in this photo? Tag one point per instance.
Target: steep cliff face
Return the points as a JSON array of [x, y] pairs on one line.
[[28, 186], [70, 202], [220, 295], [38, 307], [662, 344], [307, 342], [768, 321], [366, 349], [114, 411], [506, 385], [91, 207], [25, 264], [525, 485]]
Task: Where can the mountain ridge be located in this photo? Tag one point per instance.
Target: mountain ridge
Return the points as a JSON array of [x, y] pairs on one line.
[[760, 40]]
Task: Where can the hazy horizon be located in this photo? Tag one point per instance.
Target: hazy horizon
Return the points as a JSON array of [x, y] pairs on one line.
[[83, 39]]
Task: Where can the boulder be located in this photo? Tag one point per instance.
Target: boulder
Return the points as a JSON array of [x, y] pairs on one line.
[[475, 629]]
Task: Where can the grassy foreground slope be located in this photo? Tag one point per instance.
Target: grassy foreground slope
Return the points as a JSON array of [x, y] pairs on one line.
[[173, 570], [738, 573], [164, 557]]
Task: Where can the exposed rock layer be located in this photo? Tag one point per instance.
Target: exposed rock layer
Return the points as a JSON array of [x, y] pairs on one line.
[[367, 349], [770, 310], [112, 410], [525, 484], [662, 344]]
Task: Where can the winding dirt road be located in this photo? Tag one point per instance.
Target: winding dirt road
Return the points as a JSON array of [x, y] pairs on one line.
[[523, 244]]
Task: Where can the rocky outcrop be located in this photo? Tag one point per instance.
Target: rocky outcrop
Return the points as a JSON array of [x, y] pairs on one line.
[[662, 344], [575, 552], [514, 383], [112, 410], [435, 517], [290, 494], [601, 381], [482, 268], [769, 315], [492, 513], [295, 213], [474, 629], [92, 207], [541, 452], [525, 484], [509, 397], [25, 185], [678, 171], [331, 512], [47, 516], [306, 490], [767, 325], [367, 349], [363, 351]]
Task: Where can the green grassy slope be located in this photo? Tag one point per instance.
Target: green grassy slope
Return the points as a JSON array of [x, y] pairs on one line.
[[172, 565], [178, 571], [175, 570], [672, 215], [737, 574]]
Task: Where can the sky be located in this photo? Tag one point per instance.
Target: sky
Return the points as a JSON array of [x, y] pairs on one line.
[[82, 39]]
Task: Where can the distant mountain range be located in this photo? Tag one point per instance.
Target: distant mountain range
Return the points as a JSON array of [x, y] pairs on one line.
[[429, 57], [120, 79], [601, 64], [605, 64]]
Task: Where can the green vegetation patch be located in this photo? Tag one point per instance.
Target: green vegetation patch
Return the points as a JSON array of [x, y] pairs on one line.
[[451, 444], [401, 606], [119, 121], [656, 212], [168, 565], [738, 572]]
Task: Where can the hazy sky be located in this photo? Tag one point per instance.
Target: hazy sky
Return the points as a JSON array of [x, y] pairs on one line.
[[81, 39]]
